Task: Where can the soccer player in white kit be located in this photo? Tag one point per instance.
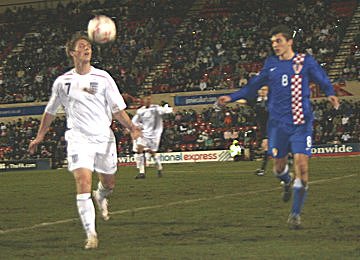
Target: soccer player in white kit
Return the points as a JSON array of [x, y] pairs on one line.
[[90, 99], [149, 119]]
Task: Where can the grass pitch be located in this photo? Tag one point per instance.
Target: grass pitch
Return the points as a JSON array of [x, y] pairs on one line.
[[196, 211]]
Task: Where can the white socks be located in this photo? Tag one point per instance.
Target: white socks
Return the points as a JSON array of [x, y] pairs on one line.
[[284, 172], [103, 192], [87, 213], [137, 160], [158, 162], [141, 163], [147, 159]]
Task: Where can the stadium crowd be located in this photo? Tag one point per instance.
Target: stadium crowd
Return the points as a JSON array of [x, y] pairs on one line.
[[29, 73], [187, 130], [352, 63], [228, 44], [219, 48]]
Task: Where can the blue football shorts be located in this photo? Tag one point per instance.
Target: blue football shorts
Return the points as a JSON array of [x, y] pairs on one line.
[[289, 138]]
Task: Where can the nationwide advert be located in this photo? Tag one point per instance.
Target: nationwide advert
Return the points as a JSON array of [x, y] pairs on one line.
[[224, 155]]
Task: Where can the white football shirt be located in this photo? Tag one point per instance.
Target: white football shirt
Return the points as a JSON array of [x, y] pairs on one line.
[[150, 120], [88, 100]]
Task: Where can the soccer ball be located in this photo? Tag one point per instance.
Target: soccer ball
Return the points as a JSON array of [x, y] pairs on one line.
[[101, 29]]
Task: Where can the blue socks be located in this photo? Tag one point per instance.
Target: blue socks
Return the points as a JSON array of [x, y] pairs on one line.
[[299, 190], [284, 176], [300, 193]]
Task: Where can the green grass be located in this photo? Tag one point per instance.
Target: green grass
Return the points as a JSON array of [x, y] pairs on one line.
[[196, 211]]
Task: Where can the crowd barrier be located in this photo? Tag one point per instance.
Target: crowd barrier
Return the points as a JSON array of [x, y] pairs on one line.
[[335, 149], [20, 165], [224, 155], [183, 157], [187, 157]]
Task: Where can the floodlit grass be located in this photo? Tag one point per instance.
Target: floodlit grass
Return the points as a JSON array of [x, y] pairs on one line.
[[196, 211]]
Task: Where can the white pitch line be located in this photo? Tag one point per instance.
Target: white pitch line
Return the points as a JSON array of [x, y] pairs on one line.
[[175, 203]]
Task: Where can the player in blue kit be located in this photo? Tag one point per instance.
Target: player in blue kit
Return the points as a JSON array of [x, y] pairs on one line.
[[289, 128]]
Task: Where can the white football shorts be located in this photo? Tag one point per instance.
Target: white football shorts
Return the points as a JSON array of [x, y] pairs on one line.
[[149, 143], [93, 153], [134, 147]]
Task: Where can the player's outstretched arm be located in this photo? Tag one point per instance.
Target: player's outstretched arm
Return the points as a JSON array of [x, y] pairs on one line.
[[222, 100], [44, 127], [125, 120], [334, 101], [166, 109], [249, 90]]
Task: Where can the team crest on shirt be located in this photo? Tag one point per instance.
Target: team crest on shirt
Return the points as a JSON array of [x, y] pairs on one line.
[[74, 158], [274, 152], [298, 63], [93, 88], [115, 108], [297, 68]]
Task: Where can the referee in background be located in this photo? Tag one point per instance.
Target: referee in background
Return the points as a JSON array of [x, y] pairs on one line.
[[261, 121]]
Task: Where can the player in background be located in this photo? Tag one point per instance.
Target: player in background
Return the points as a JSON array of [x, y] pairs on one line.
[[135, 149], [149, 118], [288, 74], [261, 121], [91, 100]]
